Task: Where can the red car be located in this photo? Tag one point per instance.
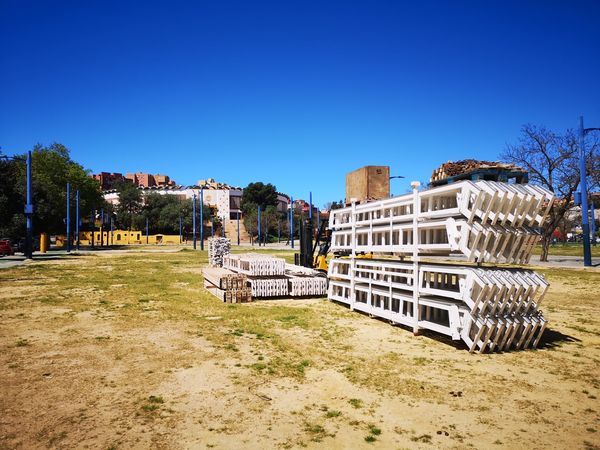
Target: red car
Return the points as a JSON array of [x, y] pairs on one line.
[[5, 248]]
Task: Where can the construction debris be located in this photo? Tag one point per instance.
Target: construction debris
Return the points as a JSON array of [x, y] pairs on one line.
[[488, 308], [472, 169], [218, 247]]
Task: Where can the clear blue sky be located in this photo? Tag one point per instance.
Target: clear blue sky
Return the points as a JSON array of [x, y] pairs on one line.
[[293, 93]]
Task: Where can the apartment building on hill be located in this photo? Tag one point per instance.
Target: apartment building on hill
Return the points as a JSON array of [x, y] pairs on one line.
[[109, 181]]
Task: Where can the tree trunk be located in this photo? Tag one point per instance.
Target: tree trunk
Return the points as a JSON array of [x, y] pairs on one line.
[[545, 245]]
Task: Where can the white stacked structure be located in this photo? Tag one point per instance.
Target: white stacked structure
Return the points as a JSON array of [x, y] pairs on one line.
[[488, 308], [269, 276], [255, 264], [218, 247]]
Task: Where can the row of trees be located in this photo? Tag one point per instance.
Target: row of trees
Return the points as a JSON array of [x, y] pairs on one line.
[[52, 168], [162, 212], [273, 222], [264, 196]]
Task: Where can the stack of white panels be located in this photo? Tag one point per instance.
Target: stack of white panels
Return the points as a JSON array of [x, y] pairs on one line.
[[254, 264], [269, 276], [218, 247], [485, 220], [477, 241], [490, 309], [303, 285], [269, 287], [493, 309]]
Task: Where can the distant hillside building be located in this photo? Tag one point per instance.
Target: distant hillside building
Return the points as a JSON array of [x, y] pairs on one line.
[[225, 198], [109, 181], [148, 180]]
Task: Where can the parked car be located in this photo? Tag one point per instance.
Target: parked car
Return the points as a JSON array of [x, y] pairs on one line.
[[18, 245], [6, 248]]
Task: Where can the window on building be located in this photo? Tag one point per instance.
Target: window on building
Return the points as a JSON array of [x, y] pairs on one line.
[[118, 236]]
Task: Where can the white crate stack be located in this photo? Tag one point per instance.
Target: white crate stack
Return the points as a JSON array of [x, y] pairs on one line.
[[218, 247], [270, 277], [255, 264], [488, 308]]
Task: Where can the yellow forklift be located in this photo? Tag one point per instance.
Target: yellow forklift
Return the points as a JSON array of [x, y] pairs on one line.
[[320, 245]]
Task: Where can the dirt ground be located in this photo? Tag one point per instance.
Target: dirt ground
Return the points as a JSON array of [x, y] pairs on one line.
[[128, 350]]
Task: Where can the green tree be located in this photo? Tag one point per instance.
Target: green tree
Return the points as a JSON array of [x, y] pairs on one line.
[[51, 167], [250, 218], [258, 194], [163, 213], [130, 205]]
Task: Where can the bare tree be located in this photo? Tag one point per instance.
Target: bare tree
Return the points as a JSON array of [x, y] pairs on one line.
[[552, 160]]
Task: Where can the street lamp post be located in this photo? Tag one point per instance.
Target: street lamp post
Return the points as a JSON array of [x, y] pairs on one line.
[[194, 220], [201, 219], [593, 224], [77, 219], [68, 217], [585, 224], [28, 210], [102, 227], [238, 227], [292, 220], [258, 225]]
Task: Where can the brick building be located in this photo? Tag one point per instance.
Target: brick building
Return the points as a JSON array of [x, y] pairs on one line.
[[108, 181]]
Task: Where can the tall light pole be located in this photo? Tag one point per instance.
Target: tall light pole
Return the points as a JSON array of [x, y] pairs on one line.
[[585, 224], [593, 224], [77, 219], [194, 220], [238, 227], [28, 210], [102, 227], [258, 225], [112, 229], [292, 220], [201, 219], [68, 221]]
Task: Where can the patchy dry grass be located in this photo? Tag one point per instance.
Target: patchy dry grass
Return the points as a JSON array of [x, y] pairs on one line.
[[131, 351]]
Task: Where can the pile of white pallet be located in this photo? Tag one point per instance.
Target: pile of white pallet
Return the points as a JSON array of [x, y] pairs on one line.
[[218, 247], [490, 309], [269, 277], [484, 220]]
